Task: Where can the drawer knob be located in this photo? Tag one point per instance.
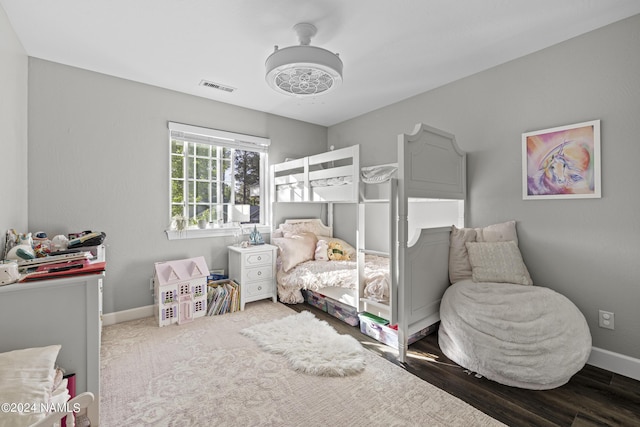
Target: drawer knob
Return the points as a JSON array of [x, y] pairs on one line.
[[259, 258], [259, 273], [259, 288]]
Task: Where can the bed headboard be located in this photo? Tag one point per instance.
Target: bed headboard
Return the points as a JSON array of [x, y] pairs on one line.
[[431, 164], [313, 225]]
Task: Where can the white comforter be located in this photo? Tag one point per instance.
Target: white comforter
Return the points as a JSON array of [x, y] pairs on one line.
[[315, 275]]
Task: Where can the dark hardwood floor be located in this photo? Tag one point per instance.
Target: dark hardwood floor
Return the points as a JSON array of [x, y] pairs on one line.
[[593, 397]]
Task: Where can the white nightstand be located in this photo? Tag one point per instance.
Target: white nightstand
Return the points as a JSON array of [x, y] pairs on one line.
[[254, 268]]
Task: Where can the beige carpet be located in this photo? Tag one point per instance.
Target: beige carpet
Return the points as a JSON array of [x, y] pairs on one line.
[[206, 373]]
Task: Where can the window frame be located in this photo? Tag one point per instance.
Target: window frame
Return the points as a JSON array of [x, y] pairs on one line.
[[229, 140]]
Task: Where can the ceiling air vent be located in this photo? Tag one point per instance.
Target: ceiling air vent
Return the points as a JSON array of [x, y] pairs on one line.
[[218, 86]]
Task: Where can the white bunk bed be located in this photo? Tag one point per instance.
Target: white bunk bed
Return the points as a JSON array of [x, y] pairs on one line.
[[430, 177], [327, 177]]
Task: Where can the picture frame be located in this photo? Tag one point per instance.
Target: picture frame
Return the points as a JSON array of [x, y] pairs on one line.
[[562, 162]]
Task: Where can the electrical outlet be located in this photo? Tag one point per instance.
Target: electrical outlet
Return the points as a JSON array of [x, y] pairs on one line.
[[151, 284], [606, 319]]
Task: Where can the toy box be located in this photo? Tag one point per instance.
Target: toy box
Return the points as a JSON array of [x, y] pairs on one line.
[[379, 329]]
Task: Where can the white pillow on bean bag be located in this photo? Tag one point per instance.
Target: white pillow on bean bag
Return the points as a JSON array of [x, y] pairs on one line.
[[497, 262], [459, 265]]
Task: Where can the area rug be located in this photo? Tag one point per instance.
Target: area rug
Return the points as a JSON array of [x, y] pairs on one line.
[[311, 345], [206, 373]]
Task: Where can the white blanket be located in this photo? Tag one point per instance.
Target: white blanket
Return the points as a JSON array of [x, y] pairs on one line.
[[523, 336], [315, 275]]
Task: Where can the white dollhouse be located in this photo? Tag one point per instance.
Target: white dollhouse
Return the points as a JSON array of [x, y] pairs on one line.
[[180, 290]]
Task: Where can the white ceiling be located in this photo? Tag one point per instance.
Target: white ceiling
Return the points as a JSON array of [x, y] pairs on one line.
[[391, 50]]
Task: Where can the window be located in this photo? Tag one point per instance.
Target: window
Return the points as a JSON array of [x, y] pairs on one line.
[[217, 176]]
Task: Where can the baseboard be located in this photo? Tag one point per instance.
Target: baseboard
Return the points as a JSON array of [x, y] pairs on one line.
[[615, 362], [126, 315]]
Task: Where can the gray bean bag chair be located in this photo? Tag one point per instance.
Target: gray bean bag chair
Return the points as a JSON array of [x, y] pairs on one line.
[[523, 336]]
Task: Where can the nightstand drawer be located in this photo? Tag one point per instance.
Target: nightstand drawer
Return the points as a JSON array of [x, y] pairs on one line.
[[259, 258], [258, 288], [258, 273]]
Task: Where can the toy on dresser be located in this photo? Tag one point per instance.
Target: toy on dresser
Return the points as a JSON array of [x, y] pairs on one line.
[[9, 273], [23, 248], [255, 237], [26, 246]]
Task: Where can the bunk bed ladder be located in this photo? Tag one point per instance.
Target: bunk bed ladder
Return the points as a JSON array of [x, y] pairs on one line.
[[404, 303], [360, 224], [365, 304], [393, 260]]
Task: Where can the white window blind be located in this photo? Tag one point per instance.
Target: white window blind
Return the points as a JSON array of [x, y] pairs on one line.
[[218, 137]]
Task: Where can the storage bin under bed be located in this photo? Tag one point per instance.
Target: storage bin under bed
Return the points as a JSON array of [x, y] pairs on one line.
[[342, 311], [315, 299], [379, 329], [337, 309]]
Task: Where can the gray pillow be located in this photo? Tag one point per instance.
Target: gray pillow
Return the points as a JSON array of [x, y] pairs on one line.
[[459, 266], [497, 262]]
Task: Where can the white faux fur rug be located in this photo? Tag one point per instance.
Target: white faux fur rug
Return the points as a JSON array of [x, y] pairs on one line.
[[311, 345]]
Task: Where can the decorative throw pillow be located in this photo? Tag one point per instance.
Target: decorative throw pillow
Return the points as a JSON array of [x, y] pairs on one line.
[[497, 262], [295, 249], [459, 266], [502, 232], [314, 226], [26, 376]]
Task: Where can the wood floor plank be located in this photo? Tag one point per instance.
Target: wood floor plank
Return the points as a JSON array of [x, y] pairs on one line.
[[593, 397]]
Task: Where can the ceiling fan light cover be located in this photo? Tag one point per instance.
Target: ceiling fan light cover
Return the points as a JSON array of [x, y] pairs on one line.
[[303, 70]]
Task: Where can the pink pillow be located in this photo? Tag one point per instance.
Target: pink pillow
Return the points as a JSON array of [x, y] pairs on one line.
[[295, 249]]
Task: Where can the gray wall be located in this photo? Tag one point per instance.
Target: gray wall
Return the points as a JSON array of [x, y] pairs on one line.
[[13, 125], [99, 160], [585, 249]]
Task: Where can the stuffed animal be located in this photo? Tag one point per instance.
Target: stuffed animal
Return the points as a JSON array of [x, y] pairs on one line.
[[336, 253], [59, 243], [322, 251]]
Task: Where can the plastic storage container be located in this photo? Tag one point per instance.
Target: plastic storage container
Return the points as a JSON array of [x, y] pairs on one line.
[[344, 312], [372, 326], [315, 299]]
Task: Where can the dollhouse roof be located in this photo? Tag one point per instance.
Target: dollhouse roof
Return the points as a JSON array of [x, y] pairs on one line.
[[169, 272]]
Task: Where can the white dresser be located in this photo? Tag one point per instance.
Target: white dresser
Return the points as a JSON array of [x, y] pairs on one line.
[[64, 311], [254, 269]]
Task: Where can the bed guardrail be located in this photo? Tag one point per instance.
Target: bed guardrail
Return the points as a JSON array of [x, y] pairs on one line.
[[328, 177]]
